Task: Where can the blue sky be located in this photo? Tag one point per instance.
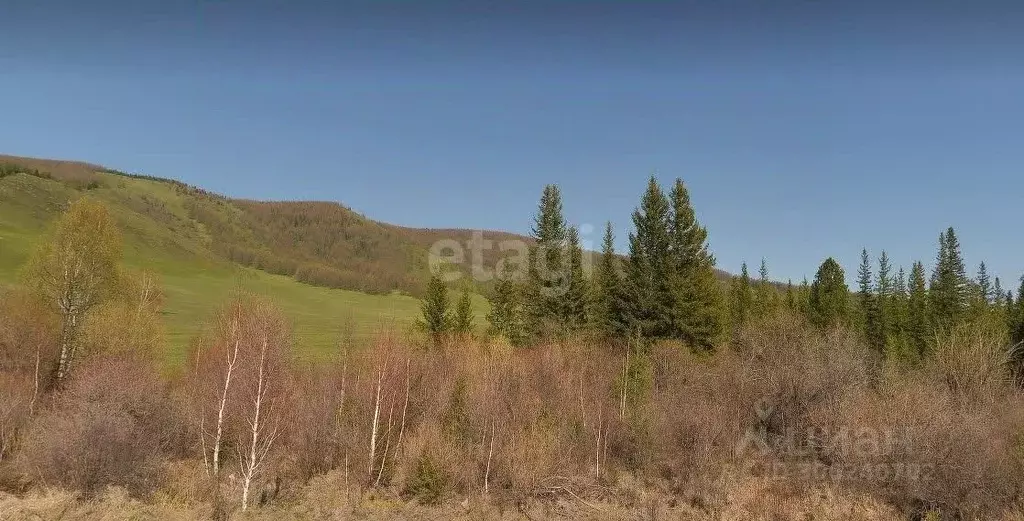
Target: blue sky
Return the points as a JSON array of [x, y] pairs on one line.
[[804, 129]]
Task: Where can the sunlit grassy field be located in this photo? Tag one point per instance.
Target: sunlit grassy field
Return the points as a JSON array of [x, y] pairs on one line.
[[160, 237]]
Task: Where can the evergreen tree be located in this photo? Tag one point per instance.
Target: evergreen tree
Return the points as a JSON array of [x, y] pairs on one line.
[[696, 297], [804, 298], [548, 278], [948, 292], [998, 295], [884, 298], [764, 293], [868, 316], [829, 295], [918, 321], [1017, 330], [436, 319], [607, 310], [1010, 313], [574, 307], [1015, 325], [463, 321], [508, 315], [898, 340], [741, 297], [791, 303], [648, 296], [984, 284], [980, 294]]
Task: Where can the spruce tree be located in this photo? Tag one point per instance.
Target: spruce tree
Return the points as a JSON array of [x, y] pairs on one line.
[[998, 295], [508, 315], [574, 306], [548, 279], [1015, 323], [984, 284], [764, 293], [1010, 313], [696, 297], [791, 303], [980, 299], [868, 310], [804, 298], [1017, 330], [647, 291], [607, 310], [436, 319], [740, 297], [829, 295], [919, 324], [948, 292], [898, 340], [463, 321], [883, 299]]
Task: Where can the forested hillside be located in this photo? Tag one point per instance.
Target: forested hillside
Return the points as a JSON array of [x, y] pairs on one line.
[[320, 243], [328, 266]]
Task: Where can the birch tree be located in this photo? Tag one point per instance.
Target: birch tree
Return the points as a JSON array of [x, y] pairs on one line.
[[216, 373], [263, 379], [240, 378], [74, 269]]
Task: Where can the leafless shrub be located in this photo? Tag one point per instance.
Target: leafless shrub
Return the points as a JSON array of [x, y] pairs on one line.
[[112, 425], [786, 413], [919, 444], [972, 361], [28, 354]]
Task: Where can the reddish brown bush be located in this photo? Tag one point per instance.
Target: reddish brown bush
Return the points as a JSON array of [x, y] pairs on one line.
[[112, 425], [28, 353]]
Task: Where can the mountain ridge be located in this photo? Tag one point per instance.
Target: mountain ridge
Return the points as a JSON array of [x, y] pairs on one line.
[[324, 243]]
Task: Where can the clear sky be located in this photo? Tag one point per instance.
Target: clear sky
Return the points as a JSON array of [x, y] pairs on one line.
[[804, 129]]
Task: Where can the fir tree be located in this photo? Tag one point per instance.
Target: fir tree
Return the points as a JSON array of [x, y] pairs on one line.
[[463, 321], [648, 296], [883, 299], [1010, 313], [548, 281], [898, 340], [1015, 323], [740, 297], [436, 318], [791, 303], [868, 311], [918, 322], [574, 307], [607, 315], [947, 295], [984, 284], [829, 295], [980, 294], [804, 298], [696, 298], [508, 315], [764, 293], [998, 295], [1017, 330]]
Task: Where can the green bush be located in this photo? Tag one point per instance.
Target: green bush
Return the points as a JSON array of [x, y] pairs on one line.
[[427, 482]]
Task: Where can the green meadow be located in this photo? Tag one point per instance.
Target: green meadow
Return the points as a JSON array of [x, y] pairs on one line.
[[159, 236]]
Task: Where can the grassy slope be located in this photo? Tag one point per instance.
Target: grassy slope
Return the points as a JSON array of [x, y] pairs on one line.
[[161, 236]]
